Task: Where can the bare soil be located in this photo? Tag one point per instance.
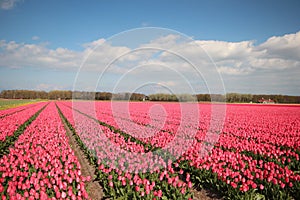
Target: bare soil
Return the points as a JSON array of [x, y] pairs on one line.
[[206, 195]]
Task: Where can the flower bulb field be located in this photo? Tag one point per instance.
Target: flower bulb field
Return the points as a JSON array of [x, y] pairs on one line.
[[150, 150]]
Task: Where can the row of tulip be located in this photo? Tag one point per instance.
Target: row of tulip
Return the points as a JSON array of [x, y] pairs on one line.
[[110, 121], [238, 118], [10, 123], [41, 164], [248, 161], [240, 173], [245, 163], [179, 142], [241, 137], [114, 143], [11, 111], [115, 136], [260, 142], [123, 168], [238, 122], [269, 152], [158, 132], [275, 125]]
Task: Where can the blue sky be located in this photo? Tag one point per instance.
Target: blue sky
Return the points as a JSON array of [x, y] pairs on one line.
[[60, 28]]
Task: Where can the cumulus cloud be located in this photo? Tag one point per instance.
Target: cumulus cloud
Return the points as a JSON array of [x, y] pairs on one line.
[[166, 55], [285, 47], [238, 58], [8, 4], [221, 50], [234, 58], [21, 55], [94, 44]]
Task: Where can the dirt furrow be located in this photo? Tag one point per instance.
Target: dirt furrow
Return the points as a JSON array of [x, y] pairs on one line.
[[93, 187]]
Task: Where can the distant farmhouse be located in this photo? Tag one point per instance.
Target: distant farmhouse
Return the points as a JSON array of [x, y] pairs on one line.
[[266, 101]]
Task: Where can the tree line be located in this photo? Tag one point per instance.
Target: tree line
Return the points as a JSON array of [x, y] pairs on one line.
[[67, 95]]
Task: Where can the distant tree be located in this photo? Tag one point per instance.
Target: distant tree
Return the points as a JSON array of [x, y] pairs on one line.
[[137, 97]]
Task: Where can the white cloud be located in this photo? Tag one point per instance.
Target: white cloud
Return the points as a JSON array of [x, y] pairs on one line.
[[94, 44], [239, 60], [20, 55], [99, 54], [285, 47], [277, 53], [165, 42], [237, 57], [274, 63], [8, 4], [221, 50]]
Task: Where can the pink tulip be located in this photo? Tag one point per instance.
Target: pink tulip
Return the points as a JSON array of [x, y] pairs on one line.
[[111, 184]]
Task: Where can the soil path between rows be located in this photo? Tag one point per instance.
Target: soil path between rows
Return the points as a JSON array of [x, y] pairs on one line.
[[202, 194], [94, 189]]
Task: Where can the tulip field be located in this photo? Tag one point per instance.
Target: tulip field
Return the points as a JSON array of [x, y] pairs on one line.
[[150, 150]]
